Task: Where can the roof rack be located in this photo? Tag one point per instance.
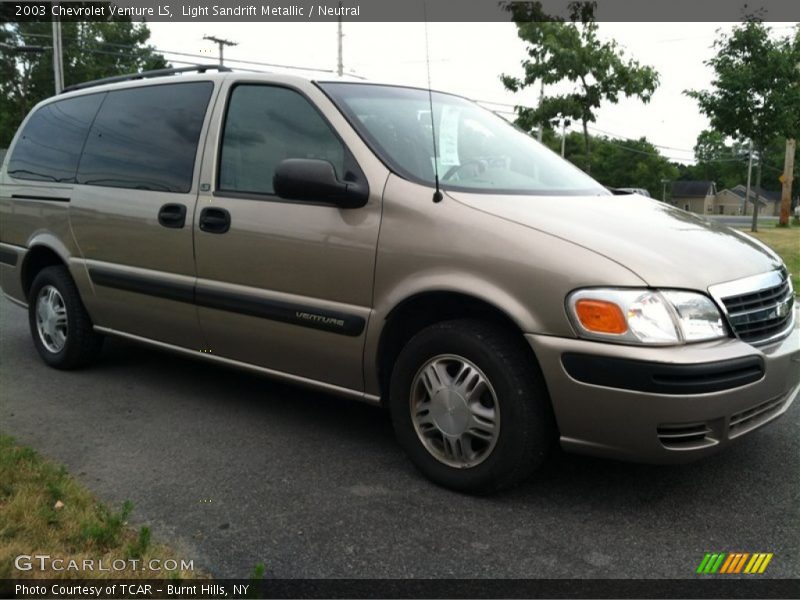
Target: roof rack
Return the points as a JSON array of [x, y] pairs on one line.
[[145, 75]]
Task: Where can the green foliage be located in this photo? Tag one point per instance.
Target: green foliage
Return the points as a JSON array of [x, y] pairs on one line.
[[258, 572], [256, 577], [91, 51], [105, 531], [141, 545], [571, 52], [24, 454], [726, 163], [618, 163], [754, 92], [49, 515], [632, 163]]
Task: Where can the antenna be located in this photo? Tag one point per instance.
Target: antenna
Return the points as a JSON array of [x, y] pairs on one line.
[[437, 195]]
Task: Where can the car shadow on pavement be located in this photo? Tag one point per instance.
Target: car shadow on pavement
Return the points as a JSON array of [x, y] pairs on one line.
[[564, 477], [243, 390]]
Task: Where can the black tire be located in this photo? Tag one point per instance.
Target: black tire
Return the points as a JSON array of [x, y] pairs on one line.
[[527, 426], [82, 344]]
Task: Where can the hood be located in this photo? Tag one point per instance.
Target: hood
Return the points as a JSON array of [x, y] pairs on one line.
[[663, 245]]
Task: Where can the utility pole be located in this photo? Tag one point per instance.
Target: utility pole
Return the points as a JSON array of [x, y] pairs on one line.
[[563, 135], [749, 175], [541, 125], [58, 56], [340, 64], [754, 226], [786, 181], [221, 43]]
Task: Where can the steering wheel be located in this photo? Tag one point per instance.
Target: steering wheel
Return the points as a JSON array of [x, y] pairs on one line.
[[478, 164]]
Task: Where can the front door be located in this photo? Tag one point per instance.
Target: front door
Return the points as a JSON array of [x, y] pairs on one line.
[[283, 285]]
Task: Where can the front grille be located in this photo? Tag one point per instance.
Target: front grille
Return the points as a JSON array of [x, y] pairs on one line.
[[753, 417], [686, 436], [760, 315]]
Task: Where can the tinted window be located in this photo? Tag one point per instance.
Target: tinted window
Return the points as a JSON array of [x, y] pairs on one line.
[[265, 125], [50, 144], [146, 138]]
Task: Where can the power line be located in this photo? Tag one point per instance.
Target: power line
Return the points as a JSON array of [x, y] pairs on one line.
[[247, 62], [617, 135], [628, 148], [665, 156], [651, 143], [200, 56], [314, 69]]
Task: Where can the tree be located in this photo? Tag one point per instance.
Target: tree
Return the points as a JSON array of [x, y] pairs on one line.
[[791, 107], [561, 52], [617, 163], [725, 163], [631, 163], [711, 147], [91, 51], [754, 91], [718, 161]]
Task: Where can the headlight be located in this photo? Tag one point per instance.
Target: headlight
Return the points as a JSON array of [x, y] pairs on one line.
[[655, 317]]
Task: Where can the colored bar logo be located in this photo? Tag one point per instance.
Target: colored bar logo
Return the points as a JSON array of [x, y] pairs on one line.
[[734, 562]]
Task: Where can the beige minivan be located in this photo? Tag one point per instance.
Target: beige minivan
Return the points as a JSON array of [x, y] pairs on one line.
[[398, 246]]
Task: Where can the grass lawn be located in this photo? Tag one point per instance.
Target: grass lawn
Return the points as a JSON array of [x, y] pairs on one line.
[[44, 511], [786, 242]]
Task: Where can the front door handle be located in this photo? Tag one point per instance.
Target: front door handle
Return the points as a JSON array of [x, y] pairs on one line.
[[215, 220], [172, 216]]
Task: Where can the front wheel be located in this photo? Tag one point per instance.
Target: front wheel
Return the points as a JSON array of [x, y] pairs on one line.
[[60, 326], [469, 406]]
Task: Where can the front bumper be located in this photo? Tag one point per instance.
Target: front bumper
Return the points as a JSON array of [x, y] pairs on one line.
[[617, 411]]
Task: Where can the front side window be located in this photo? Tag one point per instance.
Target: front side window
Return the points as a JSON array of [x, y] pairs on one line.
[[267, 124], [146, 138], [476, 150], [49, 146]]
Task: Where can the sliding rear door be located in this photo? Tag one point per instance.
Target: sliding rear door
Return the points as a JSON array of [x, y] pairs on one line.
[[132, 209]]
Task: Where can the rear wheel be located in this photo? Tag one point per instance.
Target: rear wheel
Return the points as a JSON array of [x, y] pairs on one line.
[[469, 406], [60, 326]]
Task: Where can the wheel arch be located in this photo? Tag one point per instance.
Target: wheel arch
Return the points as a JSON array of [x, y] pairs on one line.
[[41, 253], [420, 310]]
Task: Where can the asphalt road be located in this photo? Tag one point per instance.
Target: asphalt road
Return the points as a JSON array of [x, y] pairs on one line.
[[235, 470]]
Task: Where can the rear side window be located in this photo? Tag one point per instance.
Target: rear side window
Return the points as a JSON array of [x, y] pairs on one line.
[[49, 146], [265, 125], [146, 138]]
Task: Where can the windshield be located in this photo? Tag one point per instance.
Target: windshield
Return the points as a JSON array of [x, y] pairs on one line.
[[476, 150]]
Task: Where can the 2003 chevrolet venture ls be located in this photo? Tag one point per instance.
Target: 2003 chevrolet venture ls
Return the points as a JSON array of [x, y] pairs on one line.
[[296, 228]]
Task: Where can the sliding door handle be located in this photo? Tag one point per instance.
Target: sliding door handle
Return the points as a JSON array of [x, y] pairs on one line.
[[172, 216]]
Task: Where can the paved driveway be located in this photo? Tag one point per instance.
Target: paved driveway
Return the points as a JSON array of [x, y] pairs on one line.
[[235, 470]]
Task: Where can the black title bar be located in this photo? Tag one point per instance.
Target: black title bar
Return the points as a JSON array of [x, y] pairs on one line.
[[700, 587], [397, 10]]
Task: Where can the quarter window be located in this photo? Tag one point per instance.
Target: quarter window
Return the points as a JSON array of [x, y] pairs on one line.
[[265, 125], [146, 138], [49, 146]]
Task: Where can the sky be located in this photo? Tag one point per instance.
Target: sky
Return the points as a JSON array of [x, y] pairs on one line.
[[468, 58]]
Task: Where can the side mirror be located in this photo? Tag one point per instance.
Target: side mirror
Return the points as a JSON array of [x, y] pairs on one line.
[[315, 180]]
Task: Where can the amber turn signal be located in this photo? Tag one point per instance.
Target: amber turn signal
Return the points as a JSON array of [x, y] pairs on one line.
[[600, 316]]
